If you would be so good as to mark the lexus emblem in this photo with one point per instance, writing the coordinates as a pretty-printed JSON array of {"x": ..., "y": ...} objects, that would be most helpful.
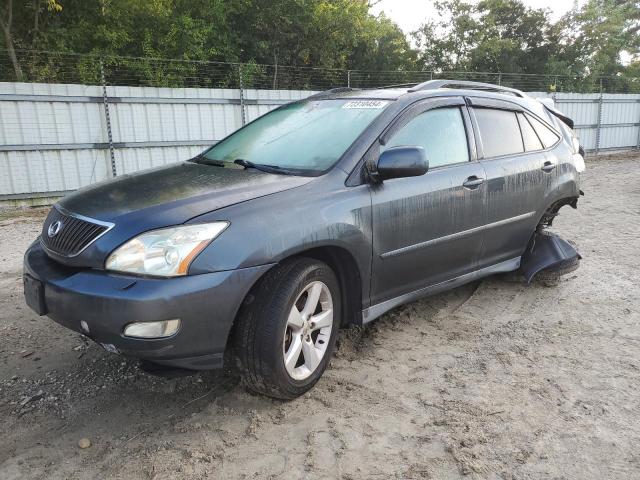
[{"x": 54, "y": 228}]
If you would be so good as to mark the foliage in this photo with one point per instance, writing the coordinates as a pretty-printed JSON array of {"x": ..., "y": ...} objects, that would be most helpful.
[
  {"x": 325, "y": 33},
  {"x": 270, "y": 36},
  {"x": 595, "y": 38},
  {"x": 507, "y": 36}
]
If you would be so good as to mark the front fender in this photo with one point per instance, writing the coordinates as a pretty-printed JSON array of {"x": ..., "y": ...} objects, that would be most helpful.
[{"x": 275, "y": 227}]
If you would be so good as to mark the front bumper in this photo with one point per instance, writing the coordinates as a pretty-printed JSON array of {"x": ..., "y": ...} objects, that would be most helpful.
[{"x": 206, "y": 305}]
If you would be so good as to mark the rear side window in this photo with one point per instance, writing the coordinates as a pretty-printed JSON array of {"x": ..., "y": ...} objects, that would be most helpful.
[
  {"x": 547, "y": 135},
  {"x": 499, "y": 131},
  {"x": 529, "y": 135},
  {"x": 440, "y": 132}
]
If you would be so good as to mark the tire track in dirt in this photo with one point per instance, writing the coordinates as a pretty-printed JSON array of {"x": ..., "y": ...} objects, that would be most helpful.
[{"x": 492, "y": 380}]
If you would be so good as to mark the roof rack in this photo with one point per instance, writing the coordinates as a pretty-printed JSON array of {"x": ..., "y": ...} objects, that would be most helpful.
[
  {"x": 331, "y": 91},
  {"x": 489, "y": 87},
  {"x": 397, "y": 85}
]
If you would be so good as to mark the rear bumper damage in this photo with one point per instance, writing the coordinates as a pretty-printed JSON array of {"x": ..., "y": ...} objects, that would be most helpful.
[{"x": 546, "y": 251}]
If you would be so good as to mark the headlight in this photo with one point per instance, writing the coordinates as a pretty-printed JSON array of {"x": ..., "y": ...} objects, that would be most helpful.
[{"x": 167, "y": 252}]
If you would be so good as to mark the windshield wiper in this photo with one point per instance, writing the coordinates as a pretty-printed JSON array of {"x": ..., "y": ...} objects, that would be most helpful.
[
  {"x": 263, "y": 167},
  {"x": 200, "y": 158}
]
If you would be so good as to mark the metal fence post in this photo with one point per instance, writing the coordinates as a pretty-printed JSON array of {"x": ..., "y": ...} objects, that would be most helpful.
[
  {"x": 638, "y": 141},
  {"x": 599, "y": 126},
  {"x": 349, "y": 78},
  {"x": 243, "y": 116},
  {"x": 107, "y": 117},
  {"x": 499, "y": 79}
]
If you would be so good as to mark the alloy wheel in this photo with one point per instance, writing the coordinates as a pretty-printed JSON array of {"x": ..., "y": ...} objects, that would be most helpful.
[{"x": 308, "y": 330}]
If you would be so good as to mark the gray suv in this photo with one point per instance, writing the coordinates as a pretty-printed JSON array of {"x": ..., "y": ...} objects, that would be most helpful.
[{"x": 322, "y": 213}]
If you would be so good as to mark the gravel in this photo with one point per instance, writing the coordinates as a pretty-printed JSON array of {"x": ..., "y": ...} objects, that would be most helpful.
[{"x": 495, "y": 379}]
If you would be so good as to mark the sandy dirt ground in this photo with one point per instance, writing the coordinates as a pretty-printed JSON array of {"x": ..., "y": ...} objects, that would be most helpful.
[{"x": 495, "y": 380}]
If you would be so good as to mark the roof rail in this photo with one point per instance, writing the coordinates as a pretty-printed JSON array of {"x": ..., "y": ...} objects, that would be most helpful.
[
  {"x": 330, "y": 92},
  {"x": 397, "y": 85},
  {"x": 433, "y": 84}
]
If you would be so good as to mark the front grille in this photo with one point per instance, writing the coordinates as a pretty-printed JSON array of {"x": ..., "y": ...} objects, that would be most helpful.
[{"x": 73, "y": 235}]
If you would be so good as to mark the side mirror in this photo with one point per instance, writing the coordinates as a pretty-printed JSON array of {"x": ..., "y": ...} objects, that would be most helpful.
[{"x": 400, "y": 162}]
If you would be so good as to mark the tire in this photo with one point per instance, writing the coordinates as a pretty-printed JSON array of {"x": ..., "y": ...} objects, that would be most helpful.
[
  {"x": 550, "y": 277},
  {"x": 269, "y": 331}
]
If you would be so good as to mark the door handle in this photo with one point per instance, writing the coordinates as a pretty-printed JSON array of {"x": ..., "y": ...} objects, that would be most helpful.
[
  {"x": 473, "y": 182},
  {"x": 548, "y": 167}
]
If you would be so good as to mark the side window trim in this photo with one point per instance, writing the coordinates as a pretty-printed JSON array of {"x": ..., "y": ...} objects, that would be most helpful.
[
  {"x": 415, "y": 109},
  {"x": 523, "y": 115},
  {"x": 544, "y": 124},
  {"x": 476, "y": 132},
  {"x": 500, "y": 104},
  {"x": 543, "y": 121},
  {"x": 476, "y": 126},
  {"x": 472, "y": 137},
  {"x": 461, "y": 114},
  {"x": 480, "y": 146},
  {"x": 474, "y": 103},
  {"x": 524, "y": 145},
  {"x": 494, "y": 103},
  {"x": 357, "y": 175}
]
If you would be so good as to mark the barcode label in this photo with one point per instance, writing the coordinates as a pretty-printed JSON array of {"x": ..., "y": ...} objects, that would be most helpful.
[{"x": 365, "y": 104}]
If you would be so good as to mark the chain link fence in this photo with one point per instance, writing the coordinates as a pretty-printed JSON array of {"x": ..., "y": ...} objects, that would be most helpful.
[
  {"x": 56, "y": 67},
  {"x": 73, "y": 120}
]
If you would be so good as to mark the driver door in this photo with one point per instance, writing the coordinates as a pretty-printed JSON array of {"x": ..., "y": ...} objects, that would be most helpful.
[{"x": 428, "y": 229}]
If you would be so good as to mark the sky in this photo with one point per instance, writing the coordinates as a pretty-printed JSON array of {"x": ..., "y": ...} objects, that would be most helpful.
[{"x": 410, "y": 14}]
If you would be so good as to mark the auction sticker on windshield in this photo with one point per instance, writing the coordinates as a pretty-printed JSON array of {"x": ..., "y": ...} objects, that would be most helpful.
[{"x": 365, "y": 104}]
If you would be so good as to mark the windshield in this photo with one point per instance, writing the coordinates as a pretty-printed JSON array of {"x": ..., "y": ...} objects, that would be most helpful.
[{"x": 306, "y": 137}]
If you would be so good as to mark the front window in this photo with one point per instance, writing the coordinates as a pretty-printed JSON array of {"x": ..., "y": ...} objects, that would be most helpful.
[
  {"x": 440, "y": 132},
  {"x": 307, "y": 137}
]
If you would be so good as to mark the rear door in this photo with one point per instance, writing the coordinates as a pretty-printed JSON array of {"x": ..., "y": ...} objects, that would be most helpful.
[
  {"x": 426, "y": 229},
  {"x": 519, "y": 174}
]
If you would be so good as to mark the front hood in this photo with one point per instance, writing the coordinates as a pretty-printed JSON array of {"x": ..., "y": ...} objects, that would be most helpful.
[
  {"x": 177, "y": 193},
  {"x": 162, "y": 197}
]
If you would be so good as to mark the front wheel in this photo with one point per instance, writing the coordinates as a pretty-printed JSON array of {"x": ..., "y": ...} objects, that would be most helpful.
[{"x": 287, "y": 328}]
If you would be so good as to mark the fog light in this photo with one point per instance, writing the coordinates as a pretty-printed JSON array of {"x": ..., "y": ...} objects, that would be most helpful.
[{"x": 162, "y": 329}]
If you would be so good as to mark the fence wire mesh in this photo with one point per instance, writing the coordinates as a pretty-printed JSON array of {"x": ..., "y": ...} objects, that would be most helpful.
[
  {"x": 56, "y": 67},
  {"x": 85, "y": 118}
]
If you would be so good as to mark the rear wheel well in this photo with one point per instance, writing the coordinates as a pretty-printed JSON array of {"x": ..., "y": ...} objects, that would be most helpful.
[{"x": 552, "y": 212}]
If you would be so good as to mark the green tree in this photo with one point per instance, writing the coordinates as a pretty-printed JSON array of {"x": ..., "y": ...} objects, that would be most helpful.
[
  {"x": 320, "y": 33},
  {"x": 596, "y": 39},
  {"x": 492, "y": 35},
  {"x": 269, "y": 36},
  {"x": 331, "y": 34},
  {"x": 21, "y": 26}
]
